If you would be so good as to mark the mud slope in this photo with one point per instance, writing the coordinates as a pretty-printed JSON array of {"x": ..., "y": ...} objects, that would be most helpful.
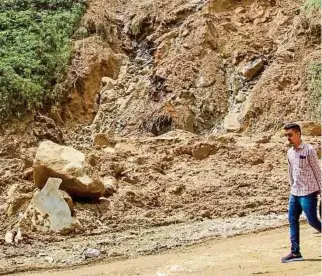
[{"x": 180, "y": 104}]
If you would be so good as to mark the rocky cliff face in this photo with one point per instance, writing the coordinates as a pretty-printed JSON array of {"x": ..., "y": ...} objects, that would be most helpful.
[{"x": 201, "y": 66}]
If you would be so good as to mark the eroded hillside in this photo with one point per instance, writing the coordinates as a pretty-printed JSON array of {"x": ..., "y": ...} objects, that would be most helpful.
[
  {"x": 189, "y": 64},
  {"x": 178, "y": 105}
]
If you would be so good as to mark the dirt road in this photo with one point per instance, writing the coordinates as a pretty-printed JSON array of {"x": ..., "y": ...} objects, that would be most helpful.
[{"x": 252, "y": 254}]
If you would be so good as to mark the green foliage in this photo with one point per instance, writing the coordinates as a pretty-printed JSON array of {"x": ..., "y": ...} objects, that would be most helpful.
[
  {"x": 314, "y": 85},
  {"x": 311, "y": 4},
  {"x": 34, "y": 52}
]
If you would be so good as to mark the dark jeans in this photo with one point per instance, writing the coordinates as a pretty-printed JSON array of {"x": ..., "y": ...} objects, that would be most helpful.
[{"x": 297, "y": 204}]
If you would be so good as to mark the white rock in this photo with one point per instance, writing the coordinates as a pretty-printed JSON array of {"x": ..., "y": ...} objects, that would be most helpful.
[
  {"x": 49, "y": 259},
  {"x": 231, "y": 122},
  {"x": 49, "y": 201},
  {"x": 9, "y": 237},
  {"x": 18, "y": 237},
  {"x": 92, "y": 253},
  {"x": 240, "y": 98}
]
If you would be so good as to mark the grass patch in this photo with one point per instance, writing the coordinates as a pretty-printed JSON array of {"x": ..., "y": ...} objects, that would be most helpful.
[
  {"x": 34, "y": 53},
  {"x": 309, "y": 5},
  {"x": 314, "y": 86}
]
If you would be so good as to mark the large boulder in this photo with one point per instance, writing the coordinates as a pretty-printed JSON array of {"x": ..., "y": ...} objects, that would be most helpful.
[
  {"x": 68, "y": 164},
  {"x": 48, "y": 211}
]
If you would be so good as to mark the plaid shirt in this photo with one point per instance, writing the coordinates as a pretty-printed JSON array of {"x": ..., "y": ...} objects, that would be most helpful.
[{"x": 304, "y": 170}]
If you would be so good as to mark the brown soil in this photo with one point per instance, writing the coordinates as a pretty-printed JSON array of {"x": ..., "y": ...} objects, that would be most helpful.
[{"x": 176, "y": 68}]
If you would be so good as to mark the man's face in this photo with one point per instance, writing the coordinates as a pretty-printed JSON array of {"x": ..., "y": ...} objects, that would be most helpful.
[{"x": 293, "y": 137}]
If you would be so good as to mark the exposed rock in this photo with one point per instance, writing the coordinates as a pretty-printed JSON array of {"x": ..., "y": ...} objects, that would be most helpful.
[
  {"x": 49, "y": 259},
  {"x": 129, "y": 178},
  {"x": 46, "y": 128},
  {"x": 118, "y": 168},
  {"x": 231, "y": 123},
  {"x": 181, "y": 150},
  {"x": 18, "y": 198},
  {"x": 168, "y": 118},
  {"x": 8, "y": 237},
  {"x": 28, "y": 174},
  {"x": 252, "y": 68},
  {"x": 108, "y": 83},
  {"x": 235, "y": 83},
  {"x": 64, "y": 162},
  {"x": 177, "y": 189},
  {"x": 185, "y": 32},
  {"x": 93, "y": 159},
  {"x": 186, "y": 120},
  {"x": 49, "y": 201},
  {"x": 201, "y": 77},
  {"x": 47, "y": 212},
  {"x": 202, "y": 150},
  {"x": 110, "y": 184},
  {"x": 68, "y": 199},
  {"x": 106, "y": 96},
  {"x": 102, "y": 139},
  {"x": 286, "y": 56},
  {"x": 240, "y": 98},
  {"x": 137, "y": 23},
  {"x": 16, "y": 203},
  {"x": 263, "y": 140},
  {"x": 18, "y": 236},
  {"x": 97, "y": 63},
  {"x": 92, "y": 253},
  {"x": 240, "y": 10},
  {"x": 238, "y": 57},
  {"x": 206, "y": 214},
  {"x": 310, "y": 128},
  {"x": 13, "y": 237}
]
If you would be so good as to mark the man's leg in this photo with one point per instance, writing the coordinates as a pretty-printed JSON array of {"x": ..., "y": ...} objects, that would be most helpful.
[
  {"x": 294, "y": 212},
  {"x": 309, "y": 205}
]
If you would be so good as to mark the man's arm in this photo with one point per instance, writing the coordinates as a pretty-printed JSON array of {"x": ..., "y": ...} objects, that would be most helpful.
[
  {"x": 315, "y": 165},
  {"x": 290, "y": 175}
]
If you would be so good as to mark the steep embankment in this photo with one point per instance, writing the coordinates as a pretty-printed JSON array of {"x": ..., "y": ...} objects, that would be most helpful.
[
  {"x": 189, "y": 64},
  {"x": 178, "y": 103}
]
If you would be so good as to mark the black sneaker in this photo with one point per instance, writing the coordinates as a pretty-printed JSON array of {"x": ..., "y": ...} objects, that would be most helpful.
[{"x": 292, "y": 258}]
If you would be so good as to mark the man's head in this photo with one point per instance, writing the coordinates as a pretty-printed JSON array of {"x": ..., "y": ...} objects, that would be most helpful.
[{"x": 293, "y": 134}]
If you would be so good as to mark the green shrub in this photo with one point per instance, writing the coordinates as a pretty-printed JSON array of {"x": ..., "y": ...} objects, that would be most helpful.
[
  {"x": 314, "y": 86},
  {"x": 34, "y": 53},
  {"x": 311, "y": 4}
]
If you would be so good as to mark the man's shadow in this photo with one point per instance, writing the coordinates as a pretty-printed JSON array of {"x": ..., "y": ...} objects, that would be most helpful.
[{"x": 312, "y": 260}]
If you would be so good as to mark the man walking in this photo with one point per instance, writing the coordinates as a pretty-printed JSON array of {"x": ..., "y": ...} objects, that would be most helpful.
[{"x": 305, "y": 177}]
